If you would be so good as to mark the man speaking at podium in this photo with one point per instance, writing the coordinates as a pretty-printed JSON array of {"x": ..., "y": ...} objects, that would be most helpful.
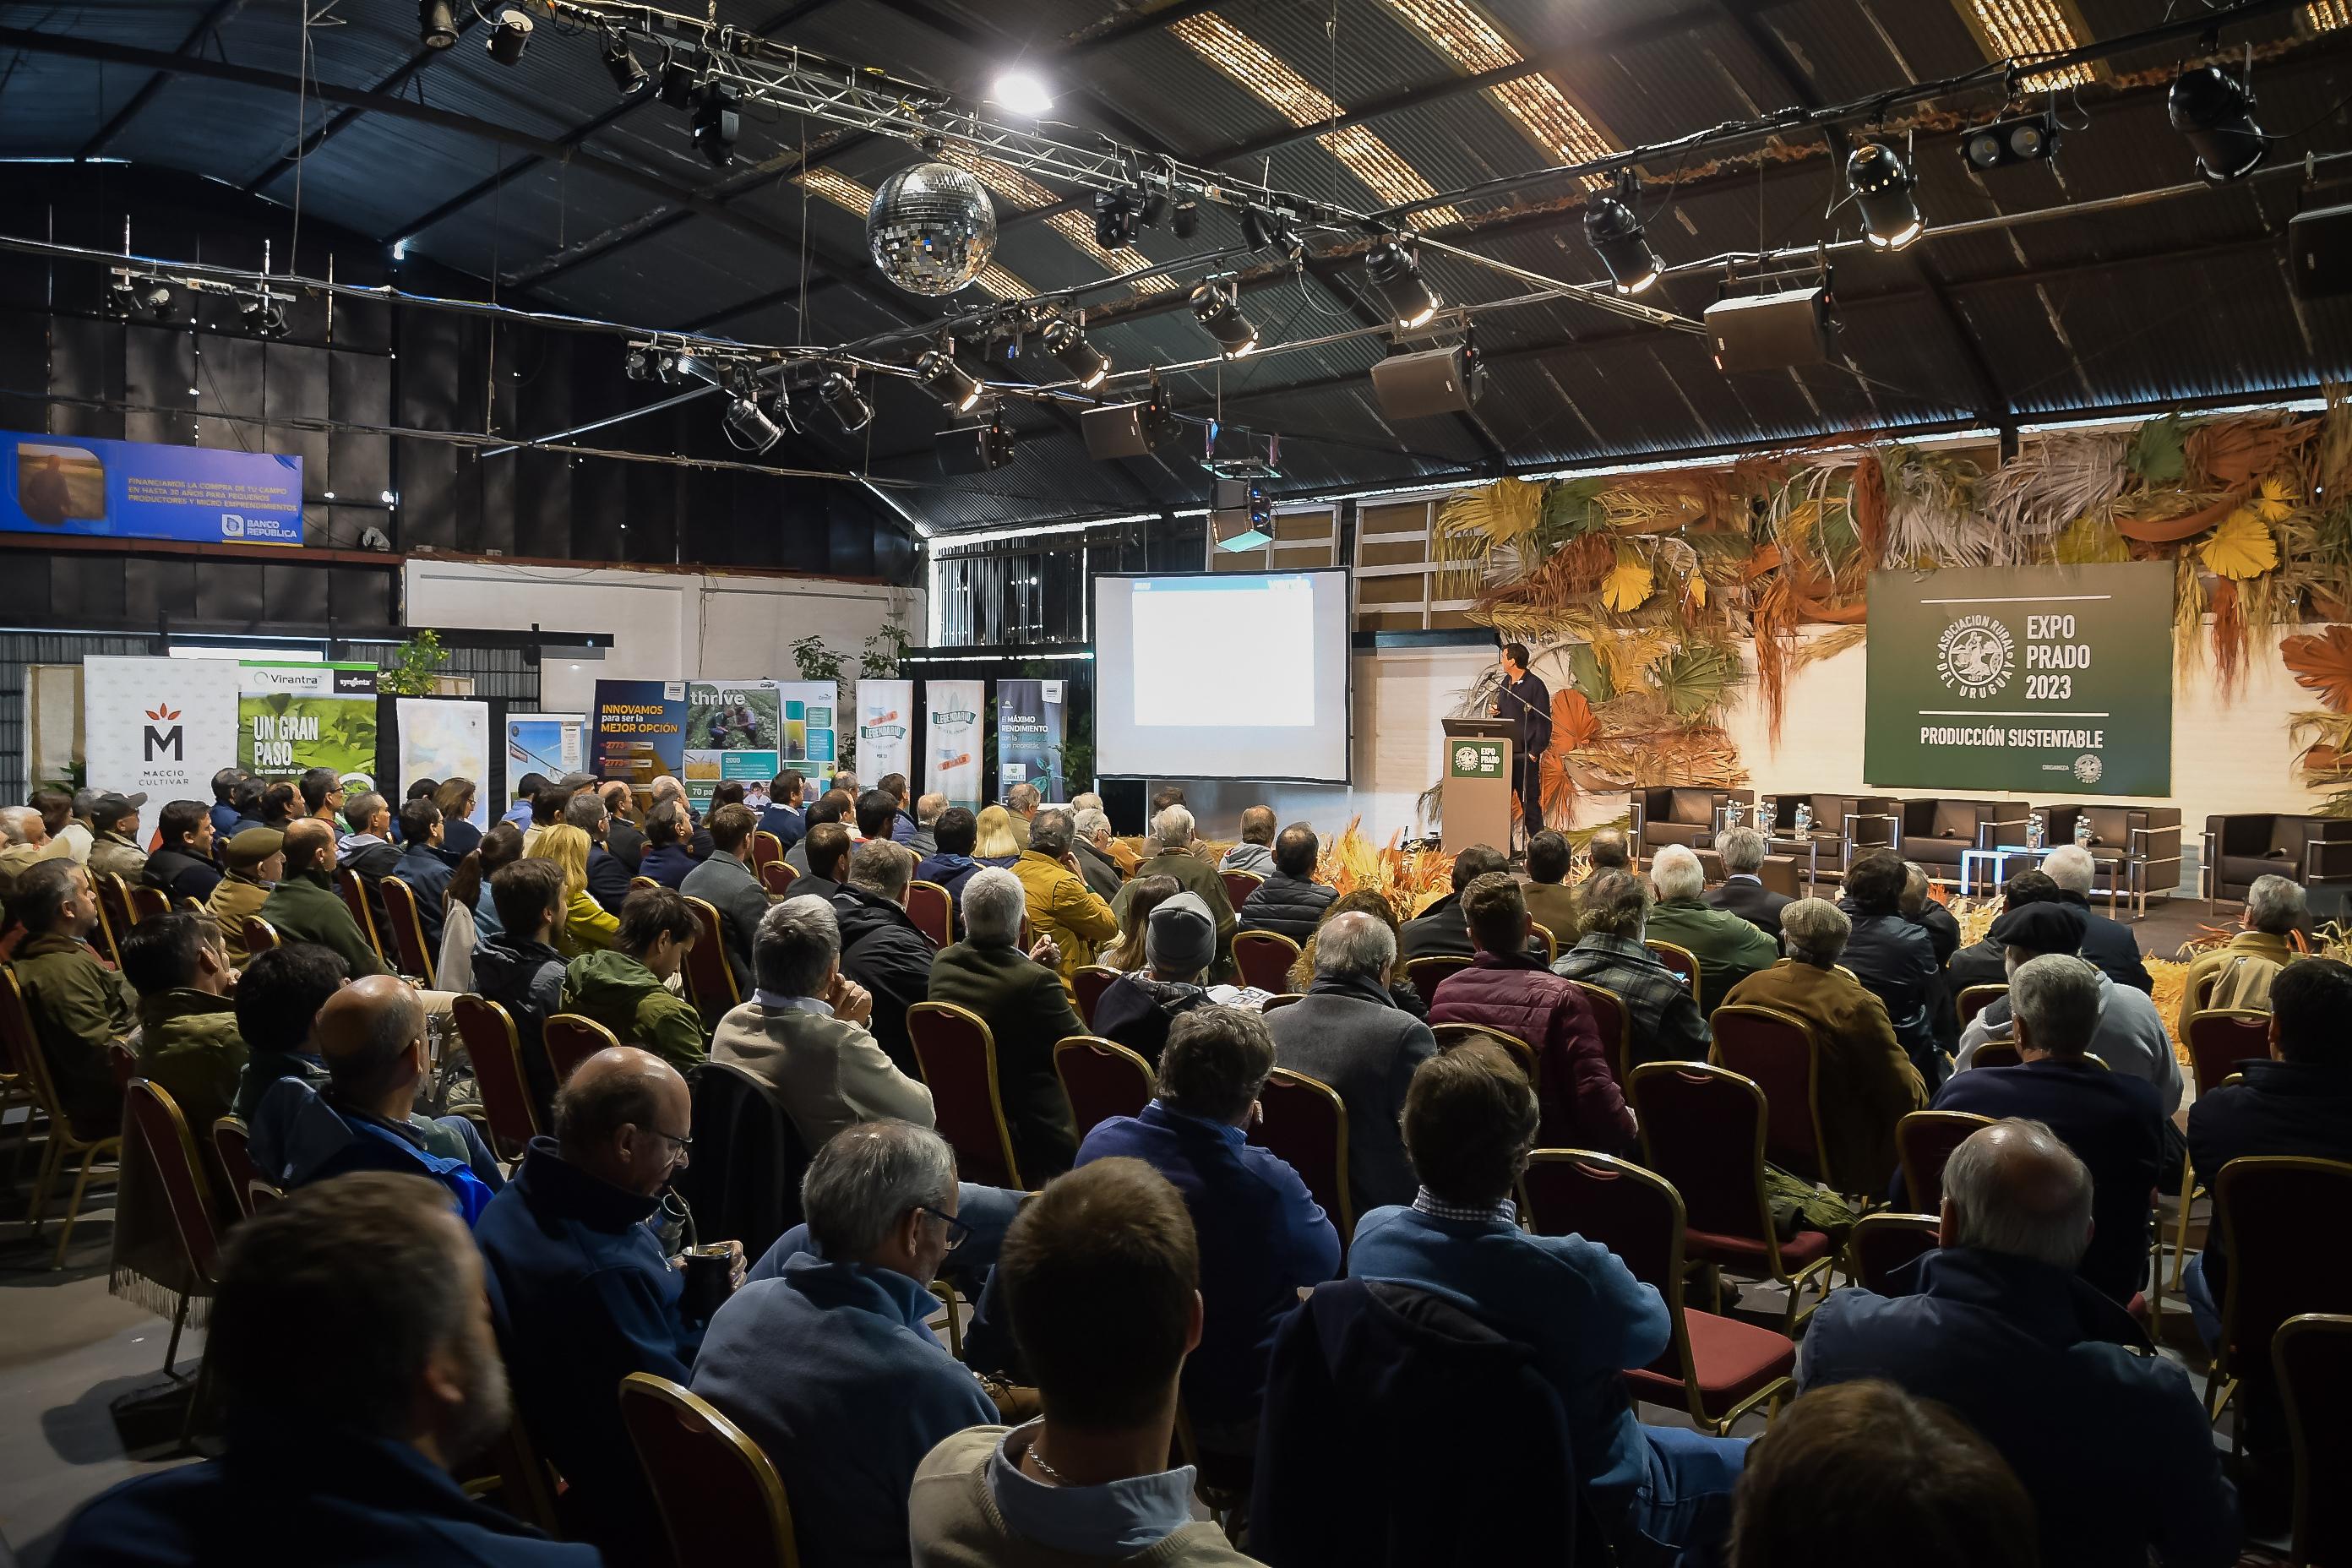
[{"x": 1526, "y": 701}]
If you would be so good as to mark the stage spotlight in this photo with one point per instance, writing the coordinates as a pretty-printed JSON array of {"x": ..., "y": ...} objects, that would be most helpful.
[
  {"x": 628, "y": 77},
  {"x": 1221, "y": 318},
  {"x": 1619, "y": 238},
  {"x": 748, "y": 426},
  {"x": 1890, "y": 217},
  {"x": 1020, "y": 93},
  {"x": 510, "y": 36},
  {"x": 715, "y": 122},
  {"x": 949, "y": 382},
  {"x": 437, "y": 24},
  {"x": 267, "y": 317},
  {"x": 1397, "y": 270},
  {"x": 678, "y": 79},
  {"x": 1067, "y": 342},
  {"x": 639, "y": 364},
  {"x": 1258, "y": 226},
  {"x": 2033, "y": 139},
  {"x": 850, "y": 409},
  {"x": 1155, "y": 208},
  {"x": 1115, "y": 215},
  {"x": 1184, "y": 220},
  {"x": 2215, "y": 113}
]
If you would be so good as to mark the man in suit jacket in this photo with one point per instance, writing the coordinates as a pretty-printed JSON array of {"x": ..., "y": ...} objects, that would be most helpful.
[
  {"x": 623, "y": 837},
  {"x": 725, "y": 882},
  {"x": 1095, "y": 863},
  {"x": 1743, "y": 891},
  {"x": 882, "y": 949},
  {"x": 2109, "y": 943},
  {"x": 1028, "y": 1012}
]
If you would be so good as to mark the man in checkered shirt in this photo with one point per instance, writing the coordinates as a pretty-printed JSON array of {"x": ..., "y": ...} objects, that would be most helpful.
[{"x": 1660, "y": 1016}]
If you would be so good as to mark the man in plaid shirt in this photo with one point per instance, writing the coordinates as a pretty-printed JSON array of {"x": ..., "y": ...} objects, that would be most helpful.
[{"x": 1661, "y": 1017}]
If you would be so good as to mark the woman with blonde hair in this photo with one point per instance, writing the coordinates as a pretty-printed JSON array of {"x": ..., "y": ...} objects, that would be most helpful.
[
  {"x": 586, "y": 926},
  {"x": 993, "y": 843},
  {"x": 459, "y": 838}
]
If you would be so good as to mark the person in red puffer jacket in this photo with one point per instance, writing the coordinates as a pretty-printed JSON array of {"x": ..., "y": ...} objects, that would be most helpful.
[{"x": 1507, "y": 989}]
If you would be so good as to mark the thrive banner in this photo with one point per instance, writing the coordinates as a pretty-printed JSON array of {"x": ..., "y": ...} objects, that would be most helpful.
[
  {"x": 734, "y": 730},
  {"x": 445, "y": 737},
  {"x": 134, "y": 489},
  {"x": 952, "y": 740},
  {"x": 295, "y": 716},
  {"x": 812, "y": 744},
  {"x": 641, "y": 731},
  {"x": 2050, "y": 680},
  {"x": 161, "y": 727},
  {"x": 885, "y": 728},
  {"x": 1029, "y": 736}
]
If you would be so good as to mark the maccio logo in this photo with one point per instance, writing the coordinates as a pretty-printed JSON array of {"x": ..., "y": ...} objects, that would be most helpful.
[{"x": 157, "y": 741}]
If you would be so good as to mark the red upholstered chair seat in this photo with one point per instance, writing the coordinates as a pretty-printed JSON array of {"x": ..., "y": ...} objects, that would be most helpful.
[
  {"x": 1807, "y": 1246},
  {"x": 1731, "y": 1360}
]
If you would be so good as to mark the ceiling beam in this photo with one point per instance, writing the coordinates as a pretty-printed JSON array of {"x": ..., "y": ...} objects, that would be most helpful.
[{"x": 221, "y": 11}]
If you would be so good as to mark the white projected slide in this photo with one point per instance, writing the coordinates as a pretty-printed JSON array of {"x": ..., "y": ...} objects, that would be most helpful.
[{"x": 1222, "y": 675}]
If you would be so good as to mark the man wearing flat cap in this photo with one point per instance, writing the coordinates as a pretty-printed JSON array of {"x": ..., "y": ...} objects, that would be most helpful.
[
  {"x": 256, "y": 859},
  {"x": 2129, "y": 1037},
  {"x": 114, "y": 836}
]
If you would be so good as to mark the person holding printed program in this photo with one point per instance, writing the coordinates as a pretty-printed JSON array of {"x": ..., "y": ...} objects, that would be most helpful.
[{"x": 1526, "y": 701}]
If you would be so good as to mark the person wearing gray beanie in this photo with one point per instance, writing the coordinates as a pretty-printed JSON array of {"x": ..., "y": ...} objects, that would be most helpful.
[{"x": 1179, "y": 942}]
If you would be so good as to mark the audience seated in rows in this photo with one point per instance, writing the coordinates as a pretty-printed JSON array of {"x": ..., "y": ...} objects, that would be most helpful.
[
  {"x": 24, "y": 842},
  {"x": 2298, "y": 1102},
  {"x": 367, "y": 849},
  {"x": 520, "y": 968},
  {"x": 783, "y": 817},
  {"x": 1470, "y": 1121},
  {"x": 1439, "y": 931},
  {"x": 2106, "y": 941},
  {"x": 904, "y": 823},
  {"x": 829, "y": 1364},
  {"x": 878, "y": 814},
  {"x": 833, "y": 806},
  {"x": 182, "y": 867},
  {"x": 1290, "y": 901},
  {"x": 2239, "y": 972},
  {"x": 1866, "y": 1082},
  {"x": 1347, "y": 1033},
  {"x": 803, "y": 1034},
  {"x": 1131, "y": 951},
  {"x": 340, "y": 1455},
  {"x": 1060, "y": 905},
  {"x": 2130, "y": 1037},
  {"x": 1862, "y": 1473},
  {"x": 585, "y": 1290},
  {"x": 1608, "y": 850},
  {"x": 279, "y": 995},
  {"x": 724, "y": 880},
  {"x": 304, "y": 907},
  {"x": 1179, "y": 942},
  {"x": 321, "y": 793},
  {"x": 1097, "y": 864},
  {"x": 77, "y": 1005},
  {"x": 1742, "y": 892},
  {"x": 1895, "y": 959},
  {"x": 667, "y": 857},
  {"x": 370, "y": 1035},
  {"x": 1985, "y": 961},
  {"x": 1728, "y": 946},
  {"x": 626, "y": 988},
  {"x": 114, "y": 838},
  {"x": 1021, "y": 997},
  {"x": 924, "y": 840},
  {"x": 1550, "y": 901},
  {"x": 1021, "y": 806},
  {"x": 1090, "y": 1478},
  {"x": 1662, "y": 1021},
  {"x": 422, "y": 867},
  {"x": 825, "y": 847},
  {"x": 1943, "y": 932},
  {"x": 254, "y": 863},
  {"x": 1171, "y": 833},
  {"x": 1261, "y": 1237},
  {"x": 1255, "y": 853},
  {"x": 608, "y": 876},
  {"x": 882, "y": 949},
  {"x": 1370, "y": 902},
  {"x": 223, "y": 810},
  {"x": 2001, "y": 1326},
  {"x": 951, "y": 865},
  {"x": 587, "y": 927},
  {"x": 2112, "y": 1120},
  {"x": 1508, "y": 988}
]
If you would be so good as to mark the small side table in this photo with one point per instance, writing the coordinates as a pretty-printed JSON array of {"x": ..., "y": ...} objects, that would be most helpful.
[{"x": 1999, "y": 856}]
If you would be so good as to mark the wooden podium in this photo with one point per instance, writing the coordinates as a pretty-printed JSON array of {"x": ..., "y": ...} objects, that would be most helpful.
[{"x": 1478, "y": 784}]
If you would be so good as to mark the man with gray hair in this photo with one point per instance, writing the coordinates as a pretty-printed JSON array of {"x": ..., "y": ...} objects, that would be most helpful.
[
  {"x": 1061, "y": 905},
  {"x": 2113, "y": 1122},
  {"x": 2113, "y": 1443},
  {"x": 1727, "y": 947},
  {"x": 1171, "y": 832},
  {"x": 1347, "y": 1033},
  {"x": 2239, "y": 972},
  {"x": 1021, "y": 804},
  {"x": 1661, "y": 1017},
  {"x": 804, "y": 1035},
  {"x": 929, "y": 808},
  {"x": 2130, "y": 1037},
  {"x": 1743, "y": 891},
  {"x": 1255, "y": 853},
  {"x": 828, "y": 1362},
  {"x": 2106, "y": 941},
  {"x": 1028, "y": 1012},
  {"x": 1867, "y": 1084},
  {"x": 608, "y": 879},
  {"x": 25, "y": 841},
  {"x": 1097, "y": 864}
]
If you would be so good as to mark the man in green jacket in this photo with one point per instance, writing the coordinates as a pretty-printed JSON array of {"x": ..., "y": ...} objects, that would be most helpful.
[
  {"x": 1172, "y": 830},
  {"x": 1728, "y": 948},
  {"x": 79, "y": 1006},
  {"x": 1021, "y": 997},
  {"x": 306, "y": 906},
  {"x": 623, "y": 986}
]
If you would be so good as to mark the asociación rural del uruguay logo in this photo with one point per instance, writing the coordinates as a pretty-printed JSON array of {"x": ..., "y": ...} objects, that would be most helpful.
[
  {"x": 1975, "y": 656},
  {"x": 1466, "y": 757},
  {"x": 2088, "y": 768}
]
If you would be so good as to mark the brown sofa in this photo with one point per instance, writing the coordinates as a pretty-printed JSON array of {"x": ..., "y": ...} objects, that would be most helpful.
[
  {"x": 2315, "y": 851},
  {"x": 1845, "y": 823},
  {"x": 2137, "y": 847},
  {"x": 1936, "y": 830},
  {"x": 1681, "y": 816}
]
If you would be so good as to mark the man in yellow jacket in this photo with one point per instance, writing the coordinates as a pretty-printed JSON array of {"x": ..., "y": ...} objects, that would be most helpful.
[{"x": 1061, "y": 906}]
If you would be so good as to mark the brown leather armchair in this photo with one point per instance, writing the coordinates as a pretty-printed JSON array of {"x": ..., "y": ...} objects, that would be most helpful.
[
  {"x": 1681, "y": 816},
  {"x": 1934, "y": 831},
  {"x": 2137, "y": 847},
  {"x": 1845, "y": 823},
  {"x": 2315, "y": 851}
]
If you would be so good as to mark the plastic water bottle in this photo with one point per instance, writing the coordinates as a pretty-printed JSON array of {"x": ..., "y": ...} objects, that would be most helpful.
[
  {"x": 1805, "y": 817},
  {"x": 2082, "y": 830},
  {"x": 2033, "y": 830}
]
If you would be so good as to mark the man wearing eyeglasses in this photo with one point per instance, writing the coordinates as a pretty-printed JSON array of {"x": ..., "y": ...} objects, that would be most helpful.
[
  {"x": 585, "y": 1291},
  {"x": 828, "y": 1364}
]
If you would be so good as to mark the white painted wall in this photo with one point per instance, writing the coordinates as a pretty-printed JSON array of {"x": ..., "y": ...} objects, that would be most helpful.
[{"x": 665, "y": 625}]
